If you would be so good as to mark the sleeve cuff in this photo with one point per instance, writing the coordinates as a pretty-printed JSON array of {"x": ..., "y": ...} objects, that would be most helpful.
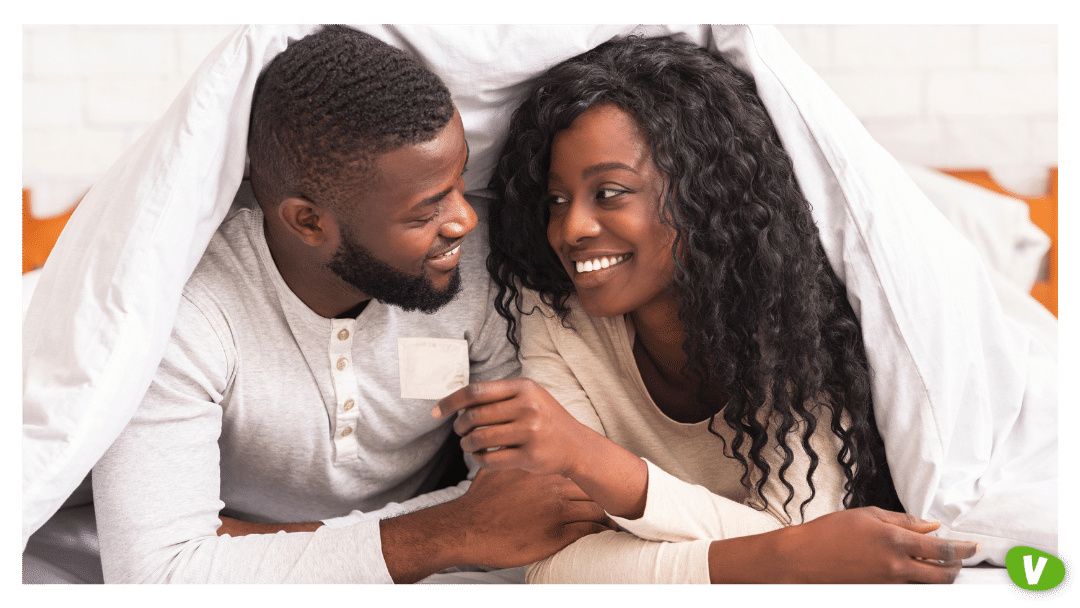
[{"x": 678, "y": 511}]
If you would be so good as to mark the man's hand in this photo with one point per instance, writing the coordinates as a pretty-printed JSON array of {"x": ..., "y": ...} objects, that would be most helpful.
[
  {"x": 506, "y": 519},
  {"x": 516, "y": 518},
  {"x": 867, "y": 545},
  {"x": 236, "y": 527}
]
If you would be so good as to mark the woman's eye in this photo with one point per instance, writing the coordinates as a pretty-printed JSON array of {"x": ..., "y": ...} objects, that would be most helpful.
[
  {"x": 608, "y": 193},
  {"x": 553, "y": 200}
]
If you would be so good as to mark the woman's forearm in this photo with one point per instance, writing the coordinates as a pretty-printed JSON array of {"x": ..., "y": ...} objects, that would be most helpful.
[{"x": 611, "y": 475}]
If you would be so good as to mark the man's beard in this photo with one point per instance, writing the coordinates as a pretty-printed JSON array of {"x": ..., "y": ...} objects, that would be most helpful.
[{"x": 357, "y": 266}]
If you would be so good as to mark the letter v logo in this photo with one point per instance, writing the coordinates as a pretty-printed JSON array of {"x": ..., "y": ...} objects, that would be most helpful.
[
  {"x": 1033, "y": 574},
  {"x": 1034, "y": 570}
]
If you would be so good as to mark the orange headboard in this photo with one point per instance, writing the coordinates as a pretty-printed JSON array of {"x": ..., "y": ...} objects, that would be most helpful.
[
  {"x": 39, "y": 234},
  {"x": 1043, "y": 213}
]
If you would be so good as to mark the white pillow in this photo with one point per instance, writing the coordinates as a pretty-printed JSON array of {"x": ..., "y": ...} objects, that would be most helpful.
[
  {"x": 998, "y": 226},
  {"x": 951, "y": 372}
]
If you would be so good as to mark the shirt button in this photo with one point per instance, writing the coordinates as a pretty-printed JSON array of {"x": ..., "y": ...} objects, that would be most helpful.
[
  {"x": 347, "y": 431},
  {"x": 342, "y": 363},
  {"x": 348, "y": 405},
  {"x": 343, "y": 335}
]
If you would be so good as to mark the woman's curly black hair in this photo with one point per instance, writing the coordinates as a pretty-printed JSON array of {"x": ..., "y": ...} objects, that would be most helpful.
[{"x": 767, "y": 319}]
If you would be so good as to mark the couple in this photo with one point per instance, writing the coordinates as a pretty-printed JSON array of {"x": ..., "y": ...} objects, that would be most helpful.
[{"x": 690, "y": 366}]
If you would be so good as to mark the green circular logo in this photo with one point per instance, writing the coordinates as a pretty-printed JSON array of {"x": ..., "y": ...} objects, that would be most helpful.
[{"x": 1034, "y": 570}]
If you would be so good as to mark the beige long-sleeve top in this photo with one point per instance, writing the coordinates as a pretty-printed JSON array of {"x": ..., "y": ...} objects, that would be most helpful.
[{"x": 694, "y": 491}]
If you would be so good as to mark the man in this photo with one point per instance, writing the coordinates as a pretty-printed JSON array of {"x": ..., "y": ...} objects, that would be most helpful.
[{"x": 295, "y": 393}]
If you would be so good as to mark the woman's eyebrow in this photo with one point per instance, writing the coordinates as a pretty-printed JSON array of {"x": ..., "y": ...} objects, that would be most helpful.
[{"x": 601, "y": 167}]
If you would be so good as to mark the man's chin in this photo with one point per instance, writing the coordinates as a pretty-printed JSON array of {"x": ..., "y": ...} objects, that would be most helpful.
[{"x": 425, "y": 297}]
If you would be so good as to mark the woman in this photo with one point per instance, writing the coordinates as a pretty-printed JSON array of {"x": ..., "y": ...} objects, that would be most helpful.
[{"x": 676, "y": 300}]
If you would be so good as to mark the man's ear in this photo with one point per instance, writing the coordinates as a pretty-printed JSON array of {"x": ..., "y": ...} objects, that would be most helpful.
[{"x": 308, "y": 221}]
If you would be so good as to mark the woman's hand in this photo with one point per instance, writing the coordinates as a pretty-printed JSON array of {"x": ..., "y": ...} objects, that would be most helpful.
[
  {"x": 515, "y": 424},
  {"x": 867, "y": 545}
]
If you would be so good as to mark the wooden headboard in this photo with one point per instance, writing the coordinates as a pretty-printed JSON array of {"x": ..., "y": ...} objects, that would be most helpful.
[{"x": 1043, "y": 213}]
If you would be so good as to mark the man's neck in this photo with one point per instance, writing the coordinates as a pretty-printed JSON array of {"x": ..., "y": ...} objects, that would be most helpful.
[
  {"x": 315, "y": 286},
  {"x": 353, "y": 312}
]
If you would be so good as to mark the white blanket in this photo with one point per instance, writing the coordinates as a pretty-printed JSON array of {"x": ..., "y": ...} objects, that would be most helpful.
[{"x": 966, "y": 399}]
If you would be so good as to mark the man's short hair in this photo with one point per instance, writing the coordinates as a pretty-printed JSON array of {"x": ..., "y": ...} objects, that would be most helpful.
[{"x": 326, "y": 105}]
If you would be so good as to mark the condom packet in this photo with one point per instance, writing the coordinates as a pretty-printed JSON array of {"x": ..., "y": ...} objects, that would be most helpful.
[{"x": 432, "y": 368}]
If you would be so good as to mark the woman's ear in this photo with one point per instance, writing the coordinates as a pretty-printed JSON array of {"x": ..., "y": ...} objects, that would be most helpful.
[{"x": 309, "y": 222}]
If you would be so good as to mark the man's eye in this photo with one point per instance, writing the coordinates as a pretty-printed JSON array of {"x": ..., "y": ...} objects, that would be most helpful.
[{"x": 430, "y": 218}]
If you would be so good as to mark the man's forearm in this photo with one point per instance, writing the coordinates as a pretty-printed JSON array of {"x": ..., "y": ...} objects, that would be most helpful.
[
  {"x": 506, "y": 519},
  {"x": 236, "y": 527},
  {"x": 419, "y": 544}
]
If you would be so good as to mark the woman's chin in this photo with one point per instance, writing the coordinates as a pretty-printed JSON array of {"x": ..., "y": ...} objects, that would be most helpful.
[{"x": 599, "y": 306}]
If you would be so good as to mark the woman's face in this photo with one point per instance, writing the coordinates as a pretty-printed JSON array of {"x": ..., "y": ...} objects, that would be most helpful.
[{"x": 604, "y": 197}]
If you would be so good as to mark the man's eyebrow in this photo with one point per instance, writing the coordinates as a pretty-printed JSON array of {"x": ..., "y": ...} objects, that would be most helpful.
[
  {"x": 431, "y": 200},
  {"x": 435, "y": 198},
  {"x": 601, "y": 167}
]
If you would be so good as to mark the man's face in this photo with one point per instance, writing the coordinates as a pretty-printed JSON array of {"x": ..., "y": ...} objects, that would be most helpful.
[{"x": 400, "y": 241}]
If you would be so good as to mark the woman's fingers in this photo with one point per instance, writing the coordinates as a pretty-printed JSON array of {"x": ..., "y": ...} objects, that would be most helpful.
[
  {"x": 940, "y": 549},
  {"x": 933, "y": 572},
  {"x": 489, "y": 437},
  {"x": 918, "y": 544},
  {"x": 490, "y": 414},
  {"x": 903, "y": 520},
  {"x": 513, "y": 424},
  {"x": 931, "y": 559},
  {"x": 477, "y": 393}
]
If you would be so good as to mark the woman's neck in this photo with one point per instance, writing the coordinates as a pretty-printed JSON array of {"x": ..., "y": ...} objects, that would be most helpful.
[
  {"x": 660, "y": 333},
  {"x": 661, "y": 361}
]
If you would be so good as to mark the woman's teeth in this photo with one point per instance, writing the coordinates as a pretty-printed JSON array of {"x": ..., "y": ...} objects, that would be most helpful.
[
  {"x": 447, "y": 254},
  {"x": 598, "y": 263}
]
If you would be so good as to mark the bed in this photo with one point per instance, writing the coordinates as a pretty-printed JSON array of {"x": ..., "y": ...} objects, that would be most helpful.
[{"x": 867, "y": 204}]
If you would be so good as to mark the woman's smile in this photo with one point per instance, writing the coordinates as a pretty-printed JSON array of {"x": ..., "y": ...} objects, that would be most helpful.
[
  {"x": 594, "y": 272},
  {"x": 594, "y": 264}
]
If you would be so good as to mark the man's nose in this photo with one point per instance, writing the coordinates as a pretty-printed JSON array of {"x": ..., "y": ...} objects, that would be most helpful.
[{"x": 461, "y": 219}]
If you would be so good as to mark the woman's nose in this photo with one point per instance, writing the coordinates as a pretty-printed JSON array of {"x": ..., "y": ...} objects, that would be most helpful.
[{"x": 579, "y": 223}]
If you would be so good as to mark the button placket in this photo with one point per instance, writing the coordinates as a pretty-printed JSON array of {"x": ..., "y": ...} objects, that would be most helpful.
[{"x": 346, "y": 392}]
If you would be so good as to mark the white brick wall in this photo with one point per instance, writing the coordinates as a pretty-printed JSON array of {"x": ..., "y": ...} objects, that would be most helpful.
[
  {"x": 953, "y": 96},
  {"x": 90, "y": 91},
  {"x": 956, "y": 96}
]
